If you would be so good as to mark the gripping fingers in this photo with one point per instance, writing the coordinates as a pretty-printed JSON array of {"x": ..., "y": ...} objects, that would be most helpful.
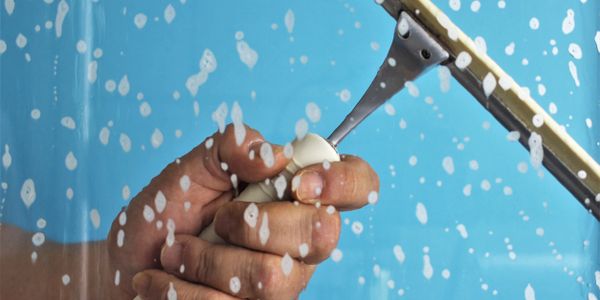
[
  {"x": 239, "y": 272},
  {"x": 155, "y": 285}
]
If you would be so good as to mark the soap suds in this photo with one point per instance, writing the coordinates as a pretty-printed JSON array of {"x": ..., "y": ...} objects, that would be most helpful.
[
  {"x": 28, "y": 193},
  {"x": 421, "y": 213},
  {"x": 568, "y": 24},
  {"x": 169, "y": 14},
  {"x": 61, "y": 12},
  {"x": 399, "y": 253}
]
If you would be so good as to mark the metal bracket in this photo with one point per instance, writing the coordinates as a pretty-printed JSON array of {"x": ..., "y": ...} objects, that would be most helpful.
[{"x": 412, "y": 53}]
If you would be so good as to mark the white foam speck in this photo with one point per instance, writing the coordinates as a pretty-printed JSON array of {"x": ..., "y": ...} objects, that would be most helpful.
[
  {"x": 169, "y": 14},
  {"x": 467, "y": 190},
  {"x": 427, "y": 267},
  {"x": 313, "y": 112},
  {"x": 510, "y": 49},
  {"x": 110, "y": 85},
  {"x": 68, "y": 122},
  {"x": 38, "y": 239},
  {"x": 591, "y": 296},
  {"x": 3, "y": 47},
  {"x": 454, "y": 5},
  {"x": 66, "y": 279},
  {"x": 81, "y": 46},
  {"x": 357, "y": 227},
  {"x": 288, "y": 150},
  {"x": 157, "y": 138},
  {"x": 145, "y": 109},
  {"x": 247, "y": 55},
  {"x": 184, "y": 183},
  {"x": 123, "y": 218},
  {"x": 171, "y": 293},
  {"x": 208, "y": 64},
  {"x": 529, "y": 292},
  {"x": 303, "y": 250},
  {"x": 266, "y": 154},
  {"x": 124, "y": 86},
  {"x": 390, "y": 110},
  {"x": 463, "y": 60},
  {"x": 597, "y": 277},
  {"x": 485, "y": 185},
  {"x": 536, "y": 149},
  {"x": 403, "y": 27},
  {"x": 251, "y": 215},
  {"x": 61, "y": 12},
  {"x": 446, "y": 273},
  {"x": 444, "y": 76},
  {"x": 489, "y": 84},
  {"x": 6, "y": 157},
  {"x": 301, "y": 129},
  {"x": 9, "y": 5},
  {"x": 280, "y": 185},
  {"x": 287, "y": 264},
  {"x": 71, "y": 161},
  {"x": 534, "y": 23},
  {"x": 219, "y": 116},
  {"x": 336, "y": 255},
  {"x": 573, "y": 71},
  {"x": 148, "y": 213},
  {"x": 160, "y": 202},
  {"x": 480, "y": 44},
  {"x": 552, "y": 108},
  {"x": 125, "y": 142},
  {"x": 372, "y": 197},
  {"x": 421, "y": 213},
  {"x": 120, "y": 238},
  {"x": 462, "y": 230},
  {"x": 475, "y": 6},
  {"x": 596, "y": 38},
  {"x": 263, "y": 231},
  {"x": 448, "y": 165},
  {"x": 575, "y": 51},
  {"x": 70, "y": 193},
  {"x": 588, "y": 123},
  {"x": 345, "y": 95},
  {"x": 92, "y": 71},
  {"x": 117, "y": 278},
  {"x": 399, "y": 253},
  {"x": 448, "y": 25},
  {"x": 539, "y": 231},
  {"x": 413, "y": 90},
  {"x": 537, "y": 120},
  {"x": 28, "y": 192},
  {"x": 238, "y": 123},
  {"x": 140, "y": 20},
  {"x": 95, "y": 218},
  {"x": 235, "y": 285},
  {"x": 568, "y": 24},
  {"x": 21, "y": 41},
  {"x": 289, "y": 20}
]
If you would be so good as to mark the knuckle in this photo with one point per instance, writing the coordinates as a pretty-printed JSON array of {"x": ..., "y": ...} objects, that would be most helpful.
[
  {"x": 229, "y": 223},
  {"x": 268, "y": 276}
]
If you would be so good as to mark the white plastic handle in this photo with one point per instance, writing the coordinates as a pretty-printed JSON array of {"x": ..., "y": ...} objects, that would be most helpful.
[{"x": 312, "y": 149}]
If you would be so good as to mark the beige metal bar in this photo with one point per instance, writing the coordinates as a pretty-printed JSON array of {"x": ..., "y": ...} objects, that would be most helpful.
[{"x": 563, "y": 156}]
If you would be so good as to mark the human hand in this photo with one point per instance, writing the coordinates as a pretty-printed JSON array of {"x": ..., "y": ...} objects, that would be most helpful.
[{"x": 248, "y": 267}]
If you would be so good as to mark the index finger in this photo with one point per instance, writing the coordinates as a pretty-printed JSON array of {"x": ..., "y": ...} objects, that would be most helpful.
[{"x": 348, "y": 184}]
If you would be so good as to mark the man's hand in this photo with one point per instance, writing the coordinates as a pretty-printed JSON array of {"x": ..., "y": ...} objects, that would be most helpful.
[{"x": 270, "y": 256}]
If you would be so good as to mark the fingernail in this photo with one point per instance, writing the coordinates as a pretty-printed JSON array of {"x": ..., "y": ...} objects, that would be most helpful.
[
  {"x": 140, "y": 283},
  {"x": 170, "y": 256},
  {"x": 310, "y": 187}
]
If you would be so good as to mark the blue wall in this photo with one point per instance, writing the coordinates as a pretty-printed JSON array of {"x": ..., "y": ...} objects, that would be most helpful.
[{"x": 334, "y": 45}]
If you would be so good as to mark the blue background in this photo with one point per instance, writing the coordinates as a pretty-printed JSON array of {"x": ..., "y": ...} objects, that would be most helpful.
[{"x": 336, "y": 37}]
